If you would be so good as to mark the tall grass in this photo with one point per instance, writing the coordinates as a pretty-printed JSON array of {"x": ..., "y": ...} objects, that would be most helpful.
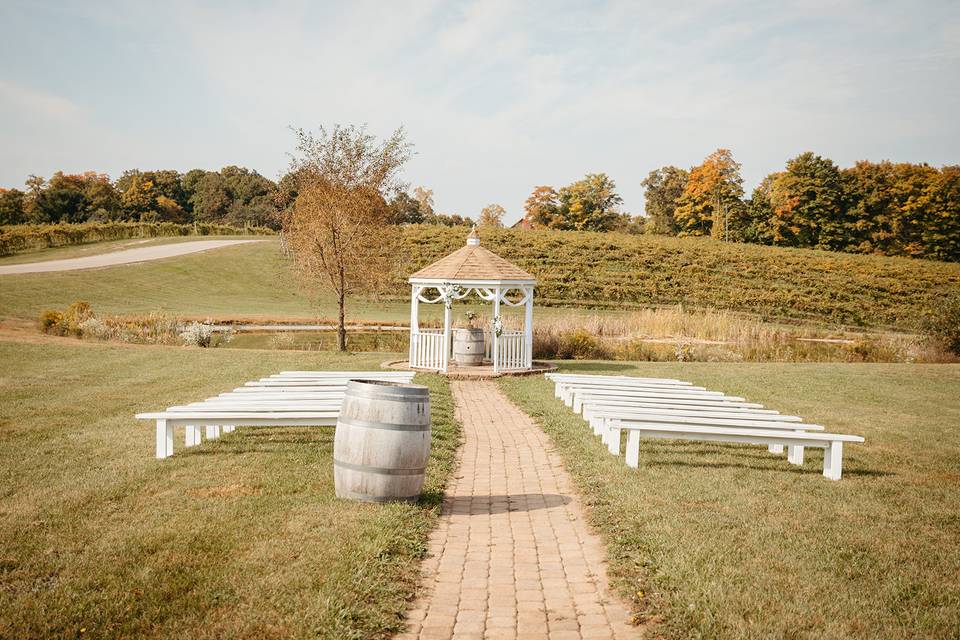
[{"x": 675, "y": 334}]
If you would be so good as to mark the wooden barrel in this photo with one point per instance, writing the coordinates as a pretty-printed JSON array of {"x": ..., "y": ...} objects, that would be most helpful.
[
  {"x": 468, "y": 347},
  {"x": 382, "y": 442}
]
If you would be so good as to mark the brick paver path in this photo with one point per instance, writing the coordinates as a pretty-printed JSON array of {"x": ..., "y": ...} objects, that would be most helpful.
[{"x": 512, "y": 556}]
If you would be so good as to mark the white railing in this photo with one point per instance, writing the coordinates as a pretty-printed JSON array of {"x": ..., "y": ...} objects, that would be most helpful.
[
  {"x": 426, "y": 349},
  {"x": 510, "y": 351}
]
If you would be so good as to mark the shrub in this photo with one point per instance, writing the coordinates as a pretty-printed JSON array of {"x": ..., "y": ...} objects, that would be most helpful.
[
  {"x": 943, "y": 323},
  {"x": 25, "y": 237},
  {"x": 51, "y": 321},
  {"x": 75, "y": 315},
  {"x": 203, "y": 334}
]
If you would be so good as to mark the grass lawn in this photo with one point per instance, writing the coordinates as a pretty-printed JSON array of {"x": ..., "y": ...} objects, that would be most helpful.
[
  {"x": 240, "y": 537},
  {"x": 245, "y": 281},
  {"x": 724, "y": 541}
]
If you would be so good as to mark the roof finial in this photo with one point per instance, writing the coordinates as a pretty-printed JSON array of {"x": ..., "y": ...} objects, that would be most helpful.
[{"x": 474, "y": 238}]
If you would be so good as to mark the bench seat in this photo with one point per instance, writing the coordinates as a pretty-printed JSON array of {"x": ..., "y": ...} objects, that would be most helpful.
[{"x": 832, "y": 443}]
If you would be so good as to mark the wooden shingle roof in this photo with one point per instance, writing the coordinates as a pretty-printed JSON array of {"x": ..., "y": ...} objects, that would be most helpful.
[{"x": 472, "y": 262}]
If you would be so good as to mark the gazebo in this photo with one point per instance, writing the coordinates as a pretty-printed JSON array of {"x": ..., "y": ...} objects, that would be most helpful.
[{"x": 469, "y": 269}]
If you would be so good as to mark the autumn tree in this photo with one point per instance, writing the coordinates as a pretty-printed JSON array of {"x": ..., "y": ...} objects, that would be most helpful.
[
  {"x": 491, "y": 216},
  {"x": 337, "y": 228},
  {"x": 713, "y": 194},
  {"x": 424, "y": 198},
  {"x": 589, "y": 204},
  {"x": 542, "y": 208},
  {"x": 663, "y": 188},
  {"x": 807, "y": 204}
]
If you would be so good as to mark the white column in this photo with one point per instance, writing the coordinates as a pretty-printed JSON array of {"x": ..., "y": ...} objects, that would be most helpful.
[
  {"x": 414, "y": 310},
  {"x": 446, "y": 335},
  {"x": 497, "y": 293},
  {"x": 528, "y": 331}
]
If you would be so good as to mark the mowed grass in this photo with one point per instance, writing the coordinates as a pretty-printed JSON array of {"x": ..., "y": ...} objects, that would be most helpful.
[
  {"x": 240, "y": 537},
  {"x": 725, "y": 541},
  {"x": 246, "y": 281}
]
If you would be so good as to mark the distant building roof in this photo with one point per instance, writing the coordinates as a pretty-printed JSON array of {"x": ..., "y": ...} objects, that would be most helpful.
[{"x": 472, "y": 262}]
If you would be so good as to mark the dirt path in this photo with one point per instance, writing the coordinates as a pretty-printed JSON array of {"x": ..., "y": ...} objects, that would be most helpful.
[
  {"x": 512, "y": 556},
  {"x": 127, "y": 256}
]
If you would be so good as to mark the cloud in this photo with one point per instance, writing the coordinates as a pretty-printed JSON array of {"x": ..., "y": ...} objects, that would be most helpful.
[
  {"x": 501, "y": 96},
  {"x": 38, "y": 103}
]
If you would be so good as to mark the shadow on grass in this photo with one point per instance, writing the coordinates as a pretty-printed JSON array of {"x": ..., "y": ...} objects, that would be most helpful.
[
  {"x": 785, "y": 468},
  {"x": 575, "y": 365}
]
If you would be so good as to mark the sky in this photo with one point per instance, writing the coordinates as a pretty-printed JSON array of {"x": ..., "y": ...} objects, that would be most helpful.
[{"x": 497, "y": 96}]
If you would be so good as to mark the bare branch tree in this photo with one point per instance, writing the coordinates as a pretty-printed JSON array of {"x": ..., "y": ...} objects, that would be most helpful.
[{"x": 338, "y": 227}]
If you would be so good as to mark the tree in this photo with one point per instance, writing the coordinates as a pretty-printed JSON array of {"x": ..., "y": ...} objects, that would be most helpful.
[
  {"x": 424, "y": 198},
  {"x": 404, "y": 210},
  {"x": 12, "y": 205},
  {"x": 806, "y": 202},
  {"x": 337, "y": 228},
  {"x": 491, "y": 216},
  {"x": 714, "y": 190},
  {"x": 210, "y": 200},
  {"x": 542, "y": 208},
  {"x": 663, "y": 188},
  {"x": 61, "y": 205},
  {"x": 590, "y": 204}
]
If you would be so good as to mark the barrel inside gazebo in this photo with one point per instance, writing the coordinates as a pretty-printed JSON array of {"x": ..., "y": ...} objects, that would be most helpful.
[{"x": 468, "y": 270}]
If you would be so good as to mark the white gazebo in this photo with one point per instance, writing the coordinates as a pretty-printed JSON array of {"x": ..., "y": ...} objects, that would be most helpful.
[{"x": 472, "y": 269}]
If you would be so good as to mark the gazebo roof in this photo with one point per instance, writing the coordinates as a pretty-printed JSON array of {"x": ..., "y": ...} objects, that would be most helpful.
[{"x": 472, "y": 262}]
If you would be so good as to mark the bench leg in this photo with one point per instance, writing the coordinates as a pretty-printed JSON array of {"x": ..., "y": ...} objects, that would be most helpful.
[
  {"x": 597, "y": 425},
  {"x": 775, "y": 448},
  {"x": 633, "y": 449},
  {"x": 795, "y": 454},
  {"x": 613, "y": 439},
  {"x": 227, "y": 428},
  {"x": 213, "y": 431},
  {"x": 164, "y": 439},
  {"x": 191, "y": 436},
  {"x": 833, "y": 461}
]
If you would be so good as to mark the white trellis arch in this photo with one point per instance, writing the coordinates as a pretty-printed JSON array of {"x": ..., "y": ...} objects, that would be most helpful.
[{"x": 472, "y": 269}]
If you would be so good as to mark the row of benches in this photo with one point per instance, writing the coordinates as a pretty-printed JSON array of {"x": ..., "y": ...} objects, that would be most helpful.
[
  {"x": 676, "y": 410},
  {"x": 287, "y": 399}
]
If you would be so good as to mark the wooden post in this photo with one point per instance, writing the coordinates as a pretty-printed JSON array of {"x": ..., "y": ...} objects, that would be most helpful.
[
  {"x": 528, "y": 331},
  {"x": 414, "y": 328},
  {"x": 445, "y": 360},
  {"x": 493, "y": 330}
]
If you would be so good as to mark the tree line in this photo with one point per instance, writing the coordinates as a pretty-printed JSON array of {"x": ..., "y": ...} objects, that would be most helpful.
[
  {"x": 234, "y": 196},
  {"x": 898, "y": 209},
  {"x": 888, "y": 208}
]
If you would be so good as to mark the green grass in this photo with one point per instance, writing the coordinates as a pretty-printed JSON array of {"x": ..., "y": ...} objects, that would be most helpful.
[
  {"x": 240, "y": 537},
  {"x": 724, "y": 541}
]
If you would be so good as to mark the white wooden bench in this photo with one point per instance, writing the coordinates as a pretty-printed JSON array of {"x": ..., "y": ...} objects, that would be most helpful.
[
  {"x": 832, "y": 443},
  {"x": 666, "y": 406},
  {"x": 289, "y": 403}
]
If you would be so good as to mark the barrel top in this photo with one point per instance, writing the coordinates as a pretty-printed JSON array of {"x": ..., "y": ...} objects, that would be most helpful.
[{"x": 388, "y": 390}]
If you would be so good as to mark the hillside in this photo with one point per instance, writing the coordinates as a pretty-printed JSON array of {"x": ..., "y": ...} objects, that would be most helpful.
[
  {"x": 616, "y": 271},
  {"x": 583, "y": 270}
]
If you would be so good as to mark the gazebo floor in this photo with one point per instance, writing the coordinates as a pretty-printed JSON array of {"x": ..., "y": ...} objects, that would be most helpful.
[{"x": 483, "y": 372}]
